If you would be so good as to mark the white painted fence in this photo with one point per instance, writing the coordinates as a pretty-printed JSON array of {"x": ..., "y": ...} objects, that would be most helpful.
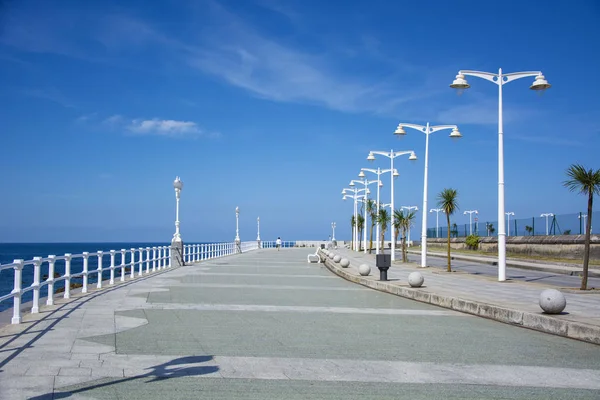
[{"x": 142, "y": 261}]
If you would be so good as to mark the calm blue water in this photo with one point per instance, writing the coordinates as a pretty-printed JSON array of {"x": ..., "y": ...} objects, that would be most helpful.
[{"x": 26, "y": 251}]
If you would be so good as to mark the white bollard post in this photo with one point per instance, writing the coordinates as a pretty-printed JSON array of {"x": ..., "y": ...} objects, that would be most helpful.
[
  {"x": 67, "y": 276},
  {"x": 84, "y": 288},
  {"x": 37, "y": 263},
  {"x": 132, "y": 266},
  {"x": 17, "y": 291},
  {"x": 141, "y": 262},
  {"x": 154, "y": 259},
  {"x": 123, "y": 251},
  {"x": 50, "y": 280},
  {"x": 112, "y": 268},
  {"x": 99, "y": 270}
]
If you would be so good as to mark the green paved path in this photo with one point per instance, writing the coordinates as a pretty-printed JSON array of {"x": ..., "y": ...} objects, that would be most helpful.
[{"x": 267, "y": 325}]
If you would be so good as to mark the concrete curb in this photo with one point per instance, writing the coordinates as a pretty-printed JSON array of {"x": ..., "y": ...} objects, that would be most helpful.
[
  {"x": 539, "y": 322},
  {"x": 555, "y": 269}
]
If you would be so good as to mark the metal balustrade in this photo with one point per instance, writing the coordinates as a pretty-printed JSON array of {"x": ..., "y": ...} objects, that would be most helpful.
[{"x": 141, "y": 260}]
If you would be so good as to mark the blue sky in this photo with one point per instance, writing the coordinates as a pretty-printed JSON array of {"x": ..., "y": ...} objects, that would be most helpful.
[{"x": 273, "y": 106}]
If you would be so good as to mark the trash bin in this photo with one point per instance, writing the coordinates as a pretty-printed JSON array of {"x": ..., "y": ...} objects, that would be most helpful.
[
  {"x": 383, "y": 262},
  {"x": 322, "y": 246}
]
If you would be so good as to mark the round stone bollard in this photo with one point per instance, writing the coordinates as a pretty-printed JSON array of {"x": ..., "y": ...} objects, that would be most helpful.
[
  {"x": 415, "y": 279},
  {"x": 345, "y": 263},
  {"x": 552, "y": 301},
  {"x": 337, "y": 258},
  {"x": 364, "y": 270}
]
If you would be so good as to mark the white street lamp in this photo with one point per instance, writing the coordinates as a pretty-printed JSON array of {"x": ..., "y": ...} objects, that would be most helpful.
[
  {"x": 508, "y": 214},
  {"x": 437, "y": 214},
  {"x": 258, "y": 227},
  {"x": 355, "y": 196},
  {"x": 366, "y": 183},
  {"x": 391, "y": 155},
  {"x": 178, "y": 185},
  {"x": 471, "y": 212},
  {"x": 377, "y": 171},
  {"x": 237, "y": 230},
  {"x": 547, "y": 215},
  {"x": 500, "y": 79},
  {"x": 409, "y": 208},
  {"x": 583, "y": 216},
  {"x": 427, "y": 130},
  {"x": 333, "y": 233}
]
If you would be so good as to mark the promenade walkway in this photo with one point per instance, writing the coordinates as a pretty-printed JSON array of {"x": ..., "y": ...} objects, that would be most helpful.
[{"x": 265, "y": 324}]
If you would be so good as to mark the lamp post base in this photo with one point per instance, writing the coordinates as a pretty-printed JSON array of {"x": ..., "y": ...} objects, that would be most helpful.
[{"x": 177, "y": 259}]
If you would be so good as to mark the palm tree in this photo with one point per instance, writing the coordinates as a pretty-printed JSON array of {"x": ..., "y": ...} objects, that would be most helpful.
[
  {"x": 406, "y": 224},
  {"x": 383, "y": 219},
  {"x": 399, "y": 223},
  {"x": 372, "y": 211},
  {"x": 361, "y": 227},
  {"x": 352, "y": 223},
  {"x": 447, "y": 201},
  {"x": 585, "y": 182}
]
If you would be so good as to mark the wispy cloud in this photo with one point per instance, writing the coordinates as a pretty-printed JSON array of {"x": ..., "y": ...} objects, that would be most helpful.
[
  {"x": 158, "y": 127},
  {"x": 50, "y": 94}
]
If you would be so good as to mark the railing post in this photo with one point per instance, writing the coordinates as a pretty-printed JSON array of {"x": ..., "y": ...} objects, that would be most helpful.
[
  {"x": 86, "y": 255},
  {"x": 99, "y": 270},
  {"x": 112, "y": 268},
  {"x": 154, "y": 259},
  {"x": 161, "y": 257},
  {"x": 37, "y": 263},
  {"x": 170, "y": 256},
  {"x": 147, "y": 260},
  {"x": 123, "y": 251},
  {"x": 132, "y": 266},
  {"x": 67, "y": 276},
  {"x": 50, "y": 280},
  {"x": 141, "y": 262},
  {"x": 17, "y": 291}
]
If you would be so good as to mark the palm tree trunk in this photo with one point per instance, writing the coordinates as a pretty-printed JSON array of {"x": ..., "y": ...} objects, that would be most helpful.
[
  {"x": 371, "y": 239},
  {"x": 448, "y": 219},
  {"x": 586, "y": 248}
]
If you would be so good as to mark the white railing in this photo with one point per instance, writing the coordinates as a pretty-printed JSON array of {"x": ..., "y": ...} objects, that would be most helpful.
[
  {"x": 140, "y": 261},
  {"x": 268, "y": 244}
]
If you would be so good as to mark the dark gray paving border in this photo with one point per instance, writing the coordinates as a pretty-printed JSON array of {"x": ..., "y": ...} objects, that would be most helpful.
[{"x": 539, "y": 322}]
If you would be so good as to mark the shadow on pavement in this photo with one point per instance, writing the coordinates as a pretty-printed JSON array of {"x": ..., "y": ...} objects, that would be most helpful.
[{"x": 183, "y": 366}]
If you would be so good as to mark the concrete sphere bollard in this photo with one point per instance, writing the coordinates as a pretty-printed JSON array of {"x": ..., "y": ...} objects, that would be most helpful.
[
  {"x": 364, "y": 269},
  {"x": 345, "y": 263},
  {"x": 415, "y": 279},
  {"x": 552, "y": 301},
  {"x": 337, "y": 258}
]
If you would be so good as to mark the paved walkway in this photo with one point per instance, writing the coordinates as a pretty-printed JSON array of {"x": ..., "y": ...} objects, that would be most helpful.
[{"x": 266, "y": 324}]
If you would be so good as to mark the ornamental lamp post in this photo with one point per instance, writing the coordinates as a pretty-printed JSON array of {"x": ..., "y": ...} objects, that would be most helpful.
[
  {"x": 547, "y": 215},
  {"x": 178, "y": 185},
  {"x": 540, "y": 83},
  {"x": 410, "y": 208},
  {"x": 258, "y": 234},
  {"x": 378, "y": 172},
  {"x": 471, "y": 212},
  {"x": 437, "y": 224},
  {"x": 333, "y": 233},
  {"x": 508, "y": 214},
  {"x": 237, "y": 230}
]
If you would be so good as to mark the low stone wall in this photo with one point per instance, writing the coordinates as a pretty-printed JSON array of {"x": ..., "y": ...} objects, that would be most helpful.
[{"x": 563, "y": 246}]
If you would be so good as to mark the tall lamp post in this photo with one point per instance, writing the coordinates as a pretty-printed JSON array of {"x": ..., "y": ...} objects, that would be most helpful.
[
  {"x": 582, "y": 217},
  {"x": 355, "y": 196},
  {"x": 391, "y": 155},
  {"x": 366, "y": 216},
  {"x": 237, "y": 230},
  {"x": 258, "y": 233},
  {"x": 471, "y": 212},
  {"x": 437, "y": 224},
  {"x": 178, "y": 185},
  {"x": 377, "y": 171},
  {"x": 409, "y": 208},
  {"x": 427, "y": 130},
  {"x": 508, "y": 214},
  {"x": 500, "y": 79},
  {"x": 333, "y": 229},
  {"x": 547, "y": 215}
]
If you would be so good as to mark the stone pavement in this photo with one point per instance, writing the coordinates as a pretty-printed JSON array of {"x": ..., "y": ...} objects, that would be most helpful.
[
  {"x": 266, "y": 324},
  {"x": 512, "y": 301}
]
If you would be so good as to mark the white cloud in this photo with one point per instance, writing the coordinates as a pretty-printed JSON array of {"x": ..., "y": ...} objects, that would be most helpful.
[{"x": 164, "y": 127}]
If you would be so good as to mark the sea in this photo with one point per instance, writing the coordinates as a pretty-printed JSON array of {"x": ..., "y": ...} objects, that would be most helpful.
[{"x": 27, "y": 251}]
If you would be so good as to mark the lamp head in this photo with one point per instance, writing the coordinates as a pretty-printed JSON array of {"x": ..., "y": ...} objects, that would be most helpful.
[
  {"x": 455, "y": 134},
  {"x": 460, "y": 83},
  {"x": 351, "y": 184},
  {"x": 400, "y": 131},
  {"x": 395, "y": 174},
  {"x": 361, "y": 174},
  {"x": 371, "y": 157},
  {"x": 177, "y": 184},
  {"x": 540, "y": 83},
  {"x": 413, "y": 157},
  {"x": 380, "y": 184}
]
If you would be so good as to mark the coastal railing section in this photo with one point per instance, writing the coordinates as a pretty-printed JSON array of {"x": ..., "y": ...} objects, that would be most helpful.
[
  {"x": 268, "y": 244},
  {"x": 124, "y": 264}
]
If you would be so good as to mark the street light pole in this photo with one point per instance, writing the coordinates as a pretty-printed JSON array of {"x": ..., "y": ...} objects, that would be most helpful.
[
  {"x": 377, "y": 171},
  {"x": 333, "y": 228},
  {"x": 437, "y": 214},
  {"x": 178, "y": 185},
  {"x": 258, "y": 227},
  {"x": 354, "y": 196},
  {"x": 365, "y": 182},
  {"x": 500, "y": 79},
  {"x": 547, "y": 215},
  {"x": 470, "y": 212},
  {"x": 237, "y": 230},
  {"x": 508, "y": 214},
  {"x": 582, "y": 216},
  {"x": 391, "y": 155},
  {"x": 427, "y": 130},
  {"x": 409, "y": 208}
]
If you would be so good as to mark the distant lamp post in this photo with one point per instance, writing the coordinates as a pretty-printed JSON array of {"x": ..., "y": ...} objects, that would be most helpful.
[
  {"x": 356, "y": 197},
  {"x": 258, "y": 233},
  {"x": 547, "y": 215},
  {"x": 365, "y": 182},
  {"x": 471, "y": 212},
  {"x": 178, "y": 185},
  {"x": 237, "y": 230},
  {"x": 500, "y": 79},
  {"x": 410, "y": 208},
  {"x": 508, "y": 214},
  {"x": 333, "y": 229},
  {"x": 377, "y": 171},
  {"x": 582, "y": 217},
  {"x": 437, "y": 222}
]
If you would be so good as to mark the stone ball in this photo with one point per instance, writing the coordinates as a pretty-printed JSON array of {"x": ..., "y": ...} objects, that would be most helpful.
[
  {"x": 415, "y": 279},
  {"x": 337, "y": 258},
  {"x": 552, "y": 301},
  {"x": 345, "y": 263},
  {"x": 364, "y": 269}
]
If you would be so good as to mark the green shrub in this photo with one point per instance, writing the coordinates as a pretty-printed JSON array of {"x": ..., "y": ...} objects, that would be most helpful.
[{"x": 472, "y": 242}]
